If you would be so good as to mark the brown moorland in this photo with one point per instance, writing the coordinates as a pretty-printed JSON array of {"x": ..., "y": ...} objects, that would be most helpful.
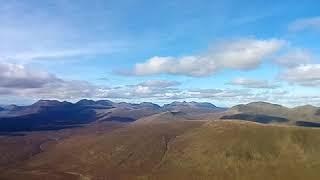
[{"x": 179, "y": 149}]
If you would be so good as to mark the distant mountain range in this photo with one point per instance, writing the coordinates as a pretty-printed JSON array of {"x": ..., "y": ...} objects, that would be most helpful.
[
  {"x": 264, "y": 112},
  {"x": 52, "y": 114}
]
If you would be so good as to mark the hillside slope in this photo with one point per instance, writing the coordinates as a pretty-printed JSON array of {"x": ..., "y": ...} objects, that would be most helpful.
[{"x": 228, "y": 150}]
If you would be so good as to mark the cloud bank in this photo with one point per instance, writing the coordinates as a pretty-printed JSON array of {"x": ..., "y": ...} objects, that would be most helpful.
[
  {"x": 243, "y": 54},
  {"x": 40, "y": 84},
  {"x": 305, "y": 75},
  {"x": 18, "y": 76},
  {"x": 253, "y": 83}
]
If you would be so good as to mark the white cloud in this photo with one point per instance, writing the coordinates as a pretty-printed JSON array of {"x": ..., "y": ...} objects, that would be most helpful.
[
  {"x": 159, "y": 83},
  {"x": 305, "y": 24},
  {"x": 20, "y": 81},
  {"x": 148, "y": 89},
  {"x": 243, "y": 54},
  {"x": 253, "y": 83},
  {"x": 18, "y": 76},
  {"x": 217, "y": 93},
  {"x": 305, "y": 75},
  {"x": 64, "y": 90},
  {"x": 294, "y": 57}
]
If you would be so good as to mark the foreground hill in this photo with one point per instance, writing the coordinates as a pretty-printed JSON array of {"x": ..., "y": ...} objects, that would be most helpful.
[
  {"x": 273, "y": 113},
  {"x": 179, "y": 149}
]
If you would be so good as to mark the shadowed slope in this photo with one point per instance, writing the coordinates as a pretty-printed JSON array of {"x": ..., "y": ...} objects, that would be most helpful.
[{"x": 256, "y": 118}]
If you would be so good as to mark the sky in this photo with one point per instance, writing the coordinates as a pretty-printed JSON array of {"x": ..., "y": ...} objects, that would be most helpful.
[{"x": 223, "y": 52}]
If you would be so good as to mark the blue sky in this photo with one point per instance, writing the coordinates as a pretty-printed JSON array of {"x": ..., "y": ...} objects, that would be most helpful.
[{"x": 224, "y": 52}]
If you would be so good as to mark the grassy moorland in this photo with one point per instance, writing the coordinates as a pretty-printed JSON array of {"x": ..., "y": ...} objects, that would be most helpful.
[
  {"x": 180, "y": 150},
  {"x": 243, "y": 151}
]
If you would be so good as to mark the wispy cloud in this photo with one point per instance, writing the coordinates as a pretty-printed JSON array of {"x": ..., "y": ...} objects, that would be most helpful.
[
  {"x": 253, "y": 83},
  {"x": 41, "y": 34},
  {"x": 251, "y": 19},
  {"x": 63, "y": 54},
  {"x": 312, "y": 23},
  {"x": 305, "y": 75},
  {"x": 294, "y": 57},
  {"x": 159, "y": 83}
]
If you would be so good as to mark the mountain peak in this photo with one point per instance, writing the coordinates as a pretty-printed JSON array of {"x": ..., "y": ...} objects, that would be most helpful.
[
  {"x": 149, "y": 104},
  {"x": 308, "y": 106},
  {"x": 86, "y": 102},
  {"x": 47, "y": 103},
  {"x": 191, "y": 104},
  {"x": 105, "y": 102},
  {"x": 258, "y": 106},
  {"x": 263, "y": 103}
]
